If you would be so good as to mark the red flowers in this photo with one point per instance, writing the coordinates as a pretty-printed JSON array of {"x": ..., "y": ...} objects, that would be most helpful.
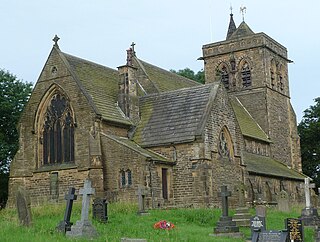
[{"x": 163, "y": 224}]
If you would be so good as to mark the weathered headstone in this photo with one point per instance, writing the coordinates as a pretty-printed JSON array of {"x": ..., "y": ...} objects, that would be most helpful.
[
  {"x": 225, "y": 225},
  {"x": 83, "y": 227},
  {"x": 142, "y": 192},
  {"x": 65, "y": 225},
  {"x": 261, "y": 210},
  {"x": 24, "y": 207},
  {"x": 295, "y": 229},
  {"x": 270, "y": 236},
  {"x": 242, "y": 215},
  {"x": 309, "y": 215},
  {"x": 283, "y": 201},
  {"x": 99, "y": 209}
]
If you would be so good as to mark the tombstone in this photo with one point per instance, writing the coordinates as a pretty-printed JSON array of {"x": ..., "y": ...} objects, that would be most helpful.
[
  {"x": 270, "y": 236},
  {"x": 242, "y": 215},
  {"x": 225, "y": 225},
  {"x": 295, "y": 229},
  {"x": 283, "y": 201},
  {"x": 99, "y": 209},
  {"x": 261, "y": 210},
  {"x": 309, "y": 215},
  {"x": 24, "y": 207},
  {"x": 83, "y": 227},
  {"x": 142, "y": 192},
  {"x": 257, "y": 224},
  {"x": 65, "y": 224}
]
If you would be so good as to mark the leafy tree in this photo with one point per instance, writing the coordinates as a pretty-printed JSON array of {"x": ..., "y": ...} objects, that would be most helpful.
[
  {"x": 309, "y": 132},
  {"x": 13, "y": 96},
  {"x": 188, "y": 73}
]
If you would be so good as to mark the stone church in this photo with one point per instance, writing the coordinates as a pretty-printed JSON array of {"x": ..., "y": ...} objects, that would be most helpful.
[{"x": 142, "y": 126}]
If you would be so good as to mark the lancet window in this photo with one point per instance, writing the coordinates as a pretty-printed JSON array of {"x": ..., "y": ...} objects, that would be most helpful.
[{"x": 246, "y": 75}]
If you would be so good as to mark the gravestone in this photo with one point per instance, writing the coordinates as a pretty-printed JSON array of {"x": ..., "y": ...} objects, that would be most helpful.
[
  {"x": 270, "y": 236},
  {"x": 142, "y": 192},
  {"x": 99, "y": 209},
  {"x": 261, "y": 210},
  {"x": 257, "y": 224},
  {"x": 225, "y": 225},
  {"x": 295, "y": 229},
  {"x": 65, "y": 225},
  {"x": 83, "y": 227},
  {"x": 24, "y": 207},
  {"x": 309, "y": 215},
  {"x": 283, "y": 201},
  {"x": 242, "y": 215}
]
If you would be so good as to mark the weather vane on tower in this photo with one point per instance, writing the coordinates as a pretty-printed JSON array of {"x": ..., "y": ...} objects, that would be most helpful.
[{"x": 243, "y": 10}]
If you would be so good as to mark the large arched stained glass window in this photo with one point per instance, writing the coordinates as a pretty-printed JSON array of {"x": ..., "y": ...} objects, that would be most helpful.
[{"x": 58, "y": 132}]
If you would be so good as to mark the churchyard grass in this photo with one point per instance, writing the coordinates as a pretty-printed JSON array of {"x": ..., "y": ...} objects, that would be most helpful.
[{"x": 190, "y": 224}]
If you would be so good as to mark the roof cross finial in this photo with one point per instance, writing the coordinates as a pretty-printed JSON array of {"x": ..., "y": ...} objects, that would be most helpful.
[
  {"x": 231, "y": 8},
  {"x": 132, "y": 47},
  {"x": 243, "y": 10},
  {"x": 55, "y": 40}
]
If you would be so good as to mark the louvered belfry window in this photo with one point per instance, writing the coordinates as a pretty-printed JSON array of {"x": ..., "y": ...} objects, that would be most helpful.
[
  {"x": 58, "y": 132},
  {"x": 246, "y": 75}
]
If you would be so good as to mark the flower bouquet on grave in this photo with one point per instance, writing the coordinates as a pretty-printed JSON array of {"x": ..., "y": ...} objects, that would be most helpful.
[{"x": 163, "y": 224}]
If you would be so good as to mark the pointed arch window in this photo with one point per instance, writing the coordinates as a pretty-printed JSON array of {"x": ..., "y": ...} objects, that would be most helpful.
[
  {"x": 225, "y": 145},
  {"x": 58, "y": 132},
  {"x": 246, "y": 75},
  {"x": 225, "y": 77}
]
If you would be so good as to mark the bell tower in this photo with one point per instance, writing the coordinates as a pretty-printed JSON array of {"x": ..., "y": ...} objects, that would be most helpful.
[{"x": 254, "y": 68}]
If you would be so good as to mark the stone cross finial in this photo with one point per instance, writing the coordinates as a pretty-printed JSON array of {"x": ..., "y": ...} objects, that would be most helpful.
[
  {"x": 86, "y": 191},
  {"x": 307, "y": 185},
  {"x": 224, "y": 194},
  {"x": 55, "y": 40},
  {"x": 243, "y": 10},
  {"x": 132, "y": 47}
]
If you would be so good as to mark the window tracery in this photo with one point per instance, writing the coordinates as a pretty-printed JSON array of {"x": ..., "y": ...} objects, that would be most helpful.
[
  {"x": 246, "y": 75},
  {"x": 57, "y": 139},
  {"x": 225, "y": 145}
]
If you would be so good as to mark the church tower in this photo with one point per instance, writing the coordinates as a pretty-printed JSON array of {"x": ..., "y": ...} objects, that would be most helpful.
[{"x": 254, "y": 68}]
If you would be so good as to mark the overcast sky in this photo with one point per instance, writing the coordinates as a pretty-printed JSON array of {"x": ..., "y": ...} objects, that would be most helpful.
[{"x": 167, "y": 33}]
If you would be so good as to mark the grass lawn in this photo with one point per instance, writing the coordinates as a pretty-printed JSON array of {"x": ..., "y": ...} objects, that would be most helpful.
[{"x": 190, "y": 224}]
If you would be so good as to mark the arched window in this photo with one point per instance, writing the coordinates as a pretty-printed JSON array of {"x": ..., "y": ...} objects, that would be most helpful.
[
  {"x": 129, "y": 177},
  {"x": 225, "y": 145},
  {"x": 57, "y": 132},
  {"x": 123, "y": 178},
  {"x": 223, "y": 73},
  {"x": 246, "y": 75},
  {"x": 279, "y": 77}
]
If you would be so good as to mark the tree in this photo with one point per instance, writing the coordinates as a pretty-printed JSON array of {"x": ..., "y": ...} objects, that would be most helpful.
[
  {"x": 188, "y": 73},
  {"x": 14, "y": 94},
  {"x": 309, "y": 132}
]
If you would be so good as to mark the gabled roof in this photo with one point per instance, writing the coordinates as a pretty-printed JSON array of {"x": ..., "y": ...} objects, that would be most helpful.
[
  {"x": 248, "y": 126},
  {"x": 164, "y": 80},
  {"x": 175, "y": 116},
  {"x": 242, "y": 31},
  {"x": 101, "y": 84},
  {"x": 267, "y": 166},
  {"x": 135, "y": 147}
]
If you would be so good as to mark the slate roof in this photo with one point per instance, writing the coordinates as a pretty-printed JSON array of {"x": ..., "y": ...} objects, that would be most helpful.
[
  {"x": 100, "y": 83},
  {"x": 175, "y": 116},
  {"x": 267, "y": 166},
  {"x": 232, "y": 27},
  {"x": 248, "y": 126},
  {"x": 242, "y": 31},
  {"x": 133, "y": 146},
  {"x": 164, "y": 80}
]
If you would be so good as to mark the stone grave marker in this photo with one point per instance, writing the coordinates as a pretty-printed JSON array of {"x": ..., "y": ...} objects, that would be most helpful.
[
  {"x": 309, "y": 215},
  {"x": 242, "y": 215},
  {"x": 261, "y": 210},
  {"x": 283, "y": 201},
  {"x": 65, "y": 224},
  {"x": 142, "y": 192},
  {"x": 99, "y": 209},
  {"x": 24, "y": 207},
  {"x": 225, "y": 225},
  {"x": 257, "y": 224},
  {"x": 270, "y": 236},
  {"x": 295, "y": 229},
  {"x": 83, "y": 227}
]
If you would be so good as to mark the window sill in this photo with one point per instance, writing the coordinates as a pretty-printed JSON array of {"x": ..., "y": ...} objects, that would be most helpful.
[{"x": 56, "y": 167}]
